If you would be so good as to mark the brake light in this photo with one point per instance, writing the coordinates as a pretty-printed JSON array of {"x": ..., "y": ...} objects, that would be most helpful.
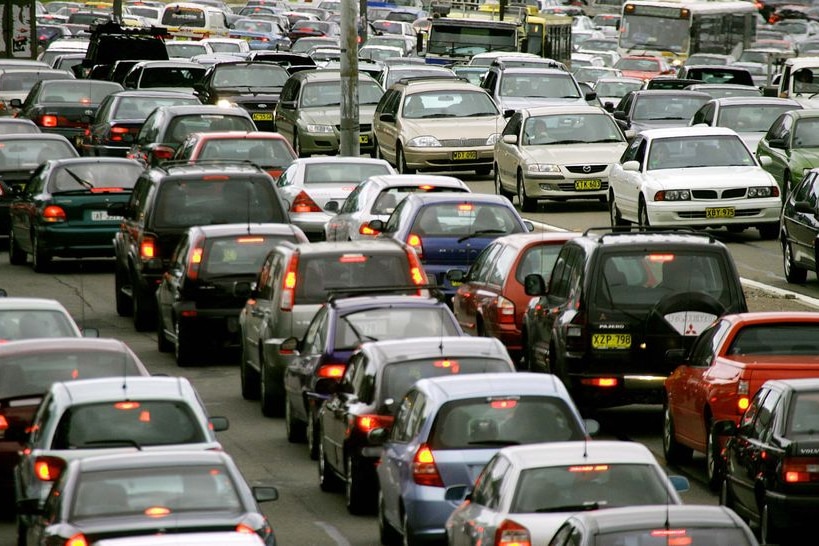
[
  {"x": 352, "y": 259},
  {"x": 48, "y": 469},
  {"x": 452, "y": 365},
  {"x": 424, "y": 470},
  {"x": 743, "y": 396},
  {"x": 147, "y": 248},
  {"x": 4, "y": 424},
  {"x": 304, "y": 203},
  {"x": 157, "y": 511},
  {"x": 605, "y": 382},
  {"x": 48, "y": 121},
  {"x": 162, "y": 153},
  {"x": 331, "y": 370},
  {"x": 77, "y": 540},
  {"x": 117, "y": 133},
  {"x": 414, "y": 241},
  {"x": 126, "y": 406},
  {"x": 245, "y": 529},
  {"x": 512, "y": 533},
  {"x": 289, "y": 284},
  {"x": 195, "y": 261},
  {"x": 53, "y": 214},
  {"x": 506, "y": 311},
  {"x": 366, "y": 423},
  {"x": 364, "y": 229},
  {"x": 800, "y": 470},
  {"x": 417, "y": 273},
  {"x": 503, "y": 404}
]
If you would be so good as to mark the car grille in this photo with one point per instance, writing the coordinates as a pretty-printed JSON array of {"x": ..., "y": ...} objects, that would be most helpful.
[
  {"x": 462, "y": 142},
  {"x": 733, "y": 193},
  {"x": 578, "y": 169},
  {"x": 266, "y": 105},
  {"x": 569, "y": 186},
  {"x": 362, "y": 128}
]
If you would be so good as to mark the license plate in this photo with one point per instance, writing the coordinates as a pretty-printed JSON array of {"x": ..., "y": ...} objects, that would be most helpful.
[
  {"x": 464, "y": 156},
  {"x": 102, "y": 216},
  {"x": 720, "y": 212},
  {"x": 611, "y": 341},
  {"x": 263, "y": 117},
  {"x": 363, "y": 139},
  {"x": 584, "y": 185}
]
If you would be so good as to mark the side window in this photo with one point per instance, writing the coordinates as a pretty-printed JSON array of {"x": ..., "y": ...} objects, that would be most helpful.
[
  {"x": 801, "y": 192},
  {"x": 560, "y": 282},
  {"x": 416, "y": 416},
  {"x": 492, "y": 482},
  {"x": 316, "y": 334},
  {"x": 699, "y": 116},
  {"x": 787, "y": 125},
  {"x": 399, "y": 430},
  {"x": 480, "y": 268},
  {"x": 276, "y": 273},
  {"x": 44, "y": 412},
  {"x": 139, "y": 197},
  {"x": 179, "y": 255},
  {"x": 263, "y": 279},
  {"x": 812, "y": 196},
  {"x": 702, "y": 352},
  {"x": 640, "y": 157},
  {"x": 747, "y": 420},
  {"x": 514, "y": 125},
  {"x": 559, "y": 269},
  {"x": 289, "y": 91},
  {"x": 501, "y": 266},
  {"x": 764, "y": 421},
  {"x": 361, "y": 382},
  {"x": 480, "y": 493},
  {"x": 36, "y": 183},
  {"x": 708, "y": 114},
  {"x": 284, "y": 179},
  {"x": 630, "y": 154},
  {"x": 351, "y": 203}
]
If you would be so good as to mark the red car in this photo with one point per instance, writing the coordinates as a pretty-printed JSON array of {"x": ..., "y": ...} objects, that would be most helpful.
[
  {"x": 490, "y": 300},
  {"x": 644, "y": 67},
  {"x": 728, "y": 363},
  {"x": 269, "y": 150}
]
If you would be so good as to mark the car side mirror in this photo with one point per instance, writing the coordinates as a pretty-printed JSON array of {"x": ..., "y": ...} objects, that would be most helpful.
[
  {"x": 510, "y": 139},
  {"x": 770, "y": 90},
  {"x": 591, "y": 96},
  {"x": 619, "y": 114},
  {"x": 455, "y": 275},
  {"x": 199, "y": 87},
  {"x": 386, "y": 117},
  {"x": 118, "y": 209},
  {"x": 534, "y": 285},
  {"x": 218, "y": 424},
  {"x": 457, "y": 493},
  {"x": 16, "y": 103},
  {"x": 376, "y": 225},
  {"x": 608, "y": 106},
  {"x": 632, "y": 166},
  {"x": 778, "y": 143},
  {"x": 508, "y": 114},
  {"x": 765, "y": 161},
  {"x": 289, "y": 346},
  {"x": 29, "y": 507},
  {"x": 529, "y": 225},
  {"x": 326, "y": 386},
  {"x": 679, "y": 483},
  {"x": 331, "y": 206},
  {"x": 804, "y": 207},
  {"x": 378, "y": 436},
  {"x": 90, "y": 332},
  {"x": 265, "y": 493},
  {"x": 724, "y": 428},
  {"x": 242, "y": 289},
  {"x": 3, "y": 293}
]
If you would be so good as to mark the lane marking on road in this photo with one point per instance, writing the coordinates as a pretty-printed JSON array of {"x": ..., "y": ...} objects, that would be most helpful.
[
  {"x": 333, "y": 533},
  {"x": 807, "y": 300}
]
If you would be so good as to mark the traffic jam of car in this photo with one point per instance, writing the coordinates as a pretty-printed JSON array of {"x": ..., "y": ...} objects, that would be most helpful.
[{"x": 447, "y": 352}]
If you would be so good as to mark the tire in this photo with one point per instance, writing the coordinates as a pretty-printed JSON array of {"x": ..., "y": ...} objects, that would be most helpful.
[
  {"x": 401, "y": 161},
  {"x": 143, "y": 314},
  {"x": 642, "y": 215},
  {"x": 355, "y": 490},
  {"x": 526, "y": 204},
  {"x": 297, "y": 146},
  {"x": 406, "y": 532},
  {"x": 387, "y": 534},
  {"x": 272, "y": 406},
  {"x": 125, "y": 306},
  {"x": 793, "y": 272},
  {"x": 499, "y": 187},
  {"x": 312, "y": 438},
  {"x": 184, "y": 348},
  {"x": 769, "y": 231},
  {"x": 615, "y": 217},
  {"x": 328, "y": 481},
  {"x": 726, "y": 498},
  {"x": 483, "y": 171},
  {"x": 674, "y": 452},
  {"x": 248, "y": 377},
  {"x": 163, "y": 344},
  {"x": 295, "y": 429},
  {"x": 714, "y": 469},
  {"x": 40, "y": 259},
  {"x": 17, "y": 256}
]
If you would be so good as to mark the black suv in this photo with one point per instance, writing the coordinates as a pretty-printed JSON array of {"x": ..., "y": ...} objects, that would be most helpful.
[
  {"x": 165, "y": 202},
  {"x": 616, "y": 302}
]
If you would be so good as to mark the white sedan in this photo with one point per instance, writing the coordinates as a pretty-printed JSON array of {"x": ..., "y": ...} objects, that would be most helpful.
[
  {"x": 526, "y": 492},
  {"x": 557, "y": 152},
  {"x": 702, "y": 177}
]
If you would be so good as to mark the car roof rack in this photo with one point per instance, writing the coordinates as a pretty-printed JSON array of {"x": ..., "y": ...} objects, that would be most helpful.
[
  {"x": 605, "y": 231},
  {"x": 170, "y": 163},
  {"x": 342, "y": 292},
  {"x": 442, "y": 77}
]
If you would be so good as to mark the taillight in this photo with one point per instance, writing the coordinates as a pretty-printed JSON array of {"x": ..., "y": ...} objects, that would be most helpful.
[
  {"x": 743, "y": 396},
  {"x": 196, "y": 256},
  {"x": 335, "y": 370},
  {"x": 48, "y": 121},
  {"x": 506, "y": 311},
  {"x": 417, "y": 273},
  {"x": 304, "y": 203},
  {"x": 576, "y": 332},
  {"x": 800, "y": 470},
  {"x": 289, "y": 284},
  {"x": 414, "y": 241},
  {"x": 117, "y": 133},
  {"x": 601, "y": 382},
  {"x": 424, "y": 471},
  {"x": 366, "y": 423},
  {"x": 4, "y": 424},
  {"x": 364, "y": 229},
  {"x": 53, "y": 214},
  {"x": 48, "y": 468},
  {"x": 245, "y": 529},
  {"x": 77, "y": 540},
  {"x": 147, "y": 248},
  {"x": 162, "y": 153},
  {"x": 512, "y": 533}
]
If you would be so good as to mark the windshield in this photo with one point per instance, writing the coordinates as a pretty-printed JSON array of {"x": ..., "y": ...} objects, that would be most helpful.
[
  {"x": 700, "y": 151},
  {"x": 250, "y": 25},
  {"x": 615, "y": 89},
  {"x": 460, "y": 219},
  {"x": 595, "y": 44},
  {"x": 645, "y": 65},
  {"x": 225, "y": 47},
  {"x": 185, "y": 50},
  {"x": 355, "y": 328},
  {"x": 467, "y": 41},
  {"x": 264, "y": 152},
  {"x": 81, "y": 91},
  {"x": 654, "y": 33},
  {"x": 750, "y": 56},
  {"x": 806, "y": 133},
  {"x": 170, "y": 76},
  {"x": 319, "y": 94},
  {"x": 535, "y": 85},
  {"x": 92, "y": 177},
  {"x": 181, "y": 126},
  {"x": 32, "y": 324},
  {"x": 448, "y": 104},
  {"x": 753, "y": 118},
  {"x": 341, "y": 173},
  {"x": 570, "y": 129},
  {"x": 183, "y": 17},
  {"x": 320, "y": 275},
  {"x": 250, "y": 75},
  {"x": 666, "y": 107},
  {"x": 27, "y": 154},
  {"x": 22, "y": 82},
  {"x": 237, "y": 255}
]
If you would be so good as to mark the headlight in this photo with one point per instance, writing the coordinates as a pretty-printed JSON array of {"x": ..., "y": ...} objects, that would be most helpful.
[
  {"x": 424, "y": 142},
  {"x": 539, "y": 168},
  {"x": 224, "y": 103},
  {"x": 319, "y": 128},
  {"x": 760, "y": 191},
  {"x": 673, "y": 195},
  {"x": 493, "y": 138}
]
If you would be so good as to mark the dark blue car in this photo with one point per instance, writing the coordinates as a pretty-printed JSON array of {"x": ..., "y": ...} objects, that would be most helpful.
[{"x": 448, "y": 231}]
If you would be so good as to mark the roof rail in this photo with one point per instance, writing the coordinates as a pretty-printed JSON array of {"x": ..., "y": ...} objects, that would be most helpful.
[
  {"x": 206, "y": 162},
  {"x": 642, "y": 230},
  {"x": 444, "y": 77},
  {"x": 113, "y": 27},
  {"x": 341, "y": 292}
]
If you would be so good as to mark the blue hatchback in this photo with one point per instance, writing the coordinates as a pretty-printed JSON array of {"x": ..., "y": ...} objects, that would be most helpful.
[
  {"x": 448, "y": 231},
  {"x": 447, "y": 428}
]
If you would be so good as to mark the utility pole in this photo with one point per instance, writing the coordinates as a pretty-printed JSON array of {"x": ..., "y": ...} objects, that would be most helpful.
[
  {"x": 349, "y": 144},
  {"x": 117, "y": 9}
]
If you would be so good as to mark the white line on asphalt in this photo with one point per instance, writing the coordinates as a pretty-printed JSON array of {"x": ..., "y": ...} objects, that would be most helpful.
[{"x": 333, "y": 533}]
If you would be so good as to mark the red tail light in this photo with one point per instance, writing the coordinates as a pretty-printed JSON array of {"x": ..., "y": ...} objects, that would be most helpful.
[
  {"x": 364, "y": 229},
  {"x": 601, "y": 382},
  {"x": 77, "y": 540},
  {"x": 417, "y": 273},
  {"x": 245, "y": 529},
  {"x": 304, "y": 203},
  {"x": 506, "y": 311},
  {"x": 800, "y": 470},
  {"x": 196, "y": 257},
  {"x": 53, "y": 214},
  {"x": 289, "y": 284},
  {"x": 4, "y": 424},
  {"x": 147, "y": 248},
  {"x": 162, "y": 153},
  {"x": 415, "y": 242},
  {"x": 48, "y": 121},
  {"x": 424, "y": 470},
  {"x": 48, "y": 469},
  {"x": 332, "y": 370},
  {"x": 117, "y": 133},
  {"x": 366, "y": 423},
  {"x": 512, "y": 533}
]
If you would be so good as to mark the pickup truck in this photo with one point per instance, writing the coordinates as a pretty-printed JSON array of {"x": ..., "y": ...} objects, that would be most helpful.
[{"x": 799, "y": 80}]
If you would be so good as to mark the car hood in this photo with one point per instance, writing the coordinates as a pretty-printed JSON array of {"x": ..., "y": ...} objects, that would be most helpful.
[
  {"x": 645, "y": 124},
  {"x": 567, "y": 154},
  {"x": 751, "y": 139},
  {"x": 448, "y": 129},
  {"x": 331, "y": 115},
  {"x": 519, "y": 103},
  {"x": 709, "y": 177}
]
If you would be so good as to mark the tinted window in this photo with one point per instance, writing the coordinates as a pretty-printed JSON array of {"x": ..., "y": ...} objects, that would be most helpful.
[
  {"x": 183, "y": 17},
  {"x": 319, "y": 275},
  {"x": 392, "y": 323},
  {"x": 804, "y": 419},
  {"x": 83, "y": 92},
  {"x": 31, "y": 324},
  {"x": 168, "y": 76},
  {"x": 237, "y": 255},
  {"x": 95, "y": 176},
  {"x": 779, "y": 339},
  {"x": 389, "y": 198},
  {"x": 27, "y": 154},
  {"x": 181, "y": 126},
  {"x": 337, "y": 173},
  {"x": 667, "y": 107},
  {"x": 265, "y": 152},
  {"x": 253, "y": 75},
  {"x": 458, "y": 219},
  {"x": 478, "y": 422},
  {"x": 751, "y": 118},
  {"x": 538, "y": 259}
]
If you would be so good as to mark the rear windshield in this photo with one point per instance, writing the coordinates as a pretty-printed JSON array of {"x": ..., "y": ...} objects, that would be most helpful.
[
  {"x": 34, "y": 373},
  {"x": 177, "y": 489},
  {"x": 181, "y": 126},
  {"x": 711, "y": 536},
  {"x": 265, "y": 152},
  {"x": 339, "y": 173},
  {"x": 201, "y": 202},
  {"x": 82, "y": 92},
  {"x": 169, "y": 76},
  {"x": 388, "y": 199},
  {"x": 147, "y": 422},
  {"x": 353, "y": 329},
  {"x": 11, "y": 127},
  {"x": 27, "y": 154},
  {"x": 797, "y": 338},
  {"x": 95, "y": 177},
  {"x": 237, "y": 255},
  {"x": 250, "y": 75},
  {"x": 19, "y": 82},
  {"x": 644, "y": 278},
  {"x": 478, "y": 422},
  {"x": 185, "y": 50},
  {"x": 140, "y": 107},
  {"x": 553, "y": 488},
  {"x": 804, "y": 414},
  {"x": 178, "y": 16},
  {"x": 319, "y": 276},
  {"x": 458, "y": 219},
  {"x": 538, "y": 259},
  {"x": 28, "y": 324}
]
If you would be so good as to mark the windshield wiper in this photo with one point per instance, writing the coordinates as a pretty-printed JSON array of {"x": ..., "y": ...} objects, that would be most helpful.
[
  {"x": 494, "y": 443},
  {"x": 79, "y": 180},
  {"x": 603, "y": 140},
  {"x": 568, "y": 142},
  {"x": 482, "y": 232},
  {"x": 114, "y": 442},
  {"x": 357, "y": 333},
  {"x": 665, "y": 118},
  {"x": 586, "y": 506},
  {"x": 439, "y": 115}
]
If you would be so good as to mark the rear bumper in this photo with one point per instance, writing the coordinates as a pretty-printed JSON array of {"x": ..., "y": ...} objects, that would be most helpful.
[
  {"x": 213, "y": 326},
  {"x": 69, "y": 241},
  {"x": 792, "y": 510},
  {"x": 427, "y": 512}
]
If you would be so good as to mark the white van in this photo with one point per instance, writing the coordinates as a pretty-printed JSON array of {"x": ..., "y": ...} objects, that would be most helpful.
[{"x": 186, "y": 20}]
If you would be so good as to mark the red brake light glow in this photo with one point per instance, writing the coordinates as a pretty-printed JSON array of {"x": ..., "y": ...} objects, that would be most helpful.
[
  {"x": 801, "y": 470},
  {"x": 289, "y": 284},
  {"x": 249, "y": 240},
  {"x": 503, "y": 404},
  {"x": 366, "y": 423},
  {"x": 304, "y": 203},
  {"x": 196, "y": 257},
  {"x": 452, "y": 365},
  {"x": 603, "y": 382},
  {"x": 162, "y": 152},
  {"x": 352, "y": 259},
  {"x": 77, "y": 540},
  {"x": 364, "y": 229},
  {"x": 157, "y": 511},
  {"x": 242, "y": 528},
  {"x": 466, "y": 207},
  {"x": 512, "y": 533},
  {"x": 48, "y": 469},
  {"x": 589, "y": 468},
  {"x": 127, "y": 405},
  {"x": 4, "y": 424},
  {"x": 215, "y": 177},
  {"x": 53, "y": 214},
  {"x": 660, "y": 258},
  {"x": 147, "y": 248},
  {"x": 48, "y": 121},
  {"x": 332, "y": 370},
  {"x": 424, "y": 470}
]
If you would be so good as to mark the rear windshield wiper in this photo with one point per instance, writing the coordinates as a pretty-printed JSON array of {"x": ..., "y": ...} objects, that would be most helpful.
[
  {"x": 81, "y": 181},
  {"x": 494, "y": 443},
  {"x": 112, "y": 443},
  {"x": 482, "y": 232},
  {"x": 356, "y": 331},
  {"x": 586, "y": 506}
]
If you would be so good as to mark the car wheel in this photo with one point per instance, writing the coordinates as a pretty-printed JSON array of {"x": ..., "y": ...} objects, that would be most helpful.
[
  {"x": 642, "y": 215},
  {"x": 312, "y": 437},
  {"x": 272, "y": 406},
  {"x": 793, "y": 272},
  {"x": 124, "y": 303},
  {"x": 526, "y": 204},
  {"x": 483, "y": 171},
  {"x": 768, "y": 231},
  {"x": 401, "y": 161},
  {"x": 674, "y": 452},
  {"x": 328, "y": 481},
  {"x": 499, "y": 190},
  {"x": 713, "y": 462},
  {"x": 17, "y": 256},
  {"x": 297, "y": 146},
  {"x": 184, "y": 346},
  {"x": 163, "y": 344},
  {"x": 388, "y": 535},
  {"x": 40, "y": 259},
  {"x": 615, "y": 218},
  {"x": 354, "y": 489},
  {"x": 248, "y": 376},
  {"x": 143, "y": 314},
  {"x": 768, "y": 532},
  {"x": 726, "y": 498},
  {"x": 406, "y": 532},
  {"x": 293, "y": 427}
]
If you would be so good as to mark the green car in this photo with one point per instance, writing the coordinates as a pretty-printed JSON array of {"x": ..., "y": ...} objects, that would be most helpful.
[{"x": 792, "y": 143}]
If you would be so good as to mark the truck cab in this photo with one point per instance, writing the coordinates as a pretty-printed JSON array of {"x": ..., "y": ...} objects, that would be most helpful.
[{"x": 799, "y": 80}]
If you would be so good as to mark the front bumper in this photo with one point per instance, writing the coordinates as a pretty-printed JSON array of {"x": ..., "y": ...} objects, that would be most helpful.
[
  {"x": 750, "y": 212},
  {"x": 567, "y": 185},
  {"x": 444, "y": 159},
  {"x": 329, "y": 143}
]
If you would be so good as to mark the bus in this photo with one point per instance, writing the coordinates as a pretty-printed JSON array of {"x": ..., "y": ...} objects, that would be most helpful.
[{"x": 676, "y": 30}]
